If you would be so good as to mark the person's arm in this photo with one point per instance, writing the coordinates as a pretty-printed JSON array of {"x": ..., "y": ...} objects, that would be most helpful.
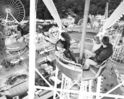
[
  {"x": 98, "y": 50},
  {"x": 89, "y": 54},
  {"x": 73, "y": 57},
  {"x": 70, "y": 55}
]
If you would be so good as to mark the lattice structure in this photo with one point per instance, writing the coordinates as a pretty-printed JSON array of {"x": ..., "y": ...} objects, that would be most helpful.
[{"x": 12, "y": 10}]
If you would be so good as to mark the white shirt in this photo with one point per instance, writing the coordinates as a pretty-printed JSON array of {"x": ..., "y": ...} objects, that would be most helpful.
[{"x": 95, "y": 47}]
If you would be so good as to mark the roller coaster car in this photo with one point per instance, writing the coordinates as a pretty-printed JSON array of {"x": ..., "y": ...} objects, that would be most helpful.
[{"x": 75, "y": 72}]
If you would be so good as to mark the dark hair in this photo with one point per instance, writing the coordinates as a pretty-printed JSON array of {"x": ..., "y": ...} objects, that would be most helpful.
[
  {"x": 59, "y": 41},
  {"x": 19, "y": 28},
  {"x": 67, "y": 40},
  {"x": 66, "y": 36},
  {"x": 105, "y": 40},
  {"x": 66, "y": 44}
]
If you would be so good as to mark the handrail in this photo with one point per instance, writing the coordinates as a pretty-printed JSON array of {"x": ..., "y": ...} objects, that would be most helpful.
[
  {"x": 100, "y": 67},
  {"x": 47, "y": 50}
]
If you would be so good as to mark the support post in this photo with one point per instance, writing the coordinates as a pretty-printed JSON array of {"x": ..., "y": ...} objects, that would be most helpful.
[
  {"x": 84, "y": 25},
  {"x": 106, "y": 10},
  {"x": 98, "y": 89},
  {"x": 32, "y": 48}
]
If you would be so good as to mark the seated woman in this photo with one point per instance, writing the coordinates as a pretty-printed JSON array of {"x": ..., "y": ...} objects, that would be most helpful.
[
  {"x": 100, "y": 55},
  {"x": 63, "y": 47}
]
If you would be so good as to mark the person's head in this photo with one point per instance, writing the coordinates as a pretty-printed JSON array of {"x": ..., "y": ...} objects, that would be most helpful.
[
  {"x": 59, "y": 45},
  {"x": 105, "y": 41},
  {"x": 65, "y": 37}
]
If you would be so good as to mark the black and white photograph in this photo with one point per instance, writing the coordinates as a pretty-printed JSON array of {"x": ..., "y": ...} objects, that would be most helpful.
[{"x": 61, "y": 49}]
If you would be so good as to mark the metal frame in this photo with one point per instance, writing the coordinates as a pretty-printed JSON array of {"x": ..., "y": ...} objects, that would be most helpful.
[
  {"x": 9, "y": 13},
  {"x": 83, "y": 92}
]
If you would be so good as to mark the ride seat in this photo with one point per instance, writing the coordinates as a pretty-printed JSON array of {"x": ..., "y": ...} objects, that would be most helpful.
[
  {"x": 98, "y": 69},
  {"x": 70, "y": 69}
]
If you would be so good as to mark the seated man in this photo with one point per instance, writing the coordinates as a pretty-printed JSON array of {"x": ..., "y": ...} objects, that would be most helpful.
[{"x": 100, "y": 55}]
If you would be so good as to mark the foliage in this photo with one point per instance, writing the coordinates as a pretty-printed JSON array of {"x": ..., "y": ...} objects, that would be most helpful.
[{"x": 76, "y": 6}]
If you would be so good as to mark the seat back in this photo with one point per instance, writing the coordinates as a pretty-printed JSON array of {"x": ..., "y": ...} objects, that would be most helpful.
[
  {"x": 99, "y": 68},
  {"x": 105, "y": 61},
  {"x": 71, "y": 70}
]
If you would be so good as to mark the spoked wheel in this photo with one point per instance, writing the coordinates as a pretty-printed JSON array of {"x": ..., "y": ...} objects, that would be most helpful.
[{"x": 12, "y": 10}]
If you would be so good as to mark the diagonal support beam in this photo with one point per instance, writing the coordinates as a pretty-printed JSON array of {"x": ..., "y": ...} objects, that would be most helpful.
[
  {"x": 114, "y": 88},
  {"x": 37, "y": 71}
]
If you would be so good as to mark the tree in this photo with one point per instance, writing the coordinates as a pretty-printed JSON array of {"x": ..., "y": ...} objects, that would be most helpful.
[
  {"x": 77, "y": 6},
  {"x": 113, "y": 5}
]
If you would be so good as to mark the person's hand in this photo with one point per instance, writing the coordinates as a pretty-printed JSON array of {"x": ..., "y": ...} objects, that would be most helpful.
[
  {"x": 57, "y": 53},
  {"x": 93, "y": 55},
  {"x": 88, "y": 54}
]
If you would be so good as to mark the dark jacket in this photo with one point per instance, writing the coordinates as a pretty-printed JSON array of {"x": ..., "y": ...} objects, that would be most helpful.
[
  {"x": 103, "y": 53},
  {"x": 70, "y": 55}
]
